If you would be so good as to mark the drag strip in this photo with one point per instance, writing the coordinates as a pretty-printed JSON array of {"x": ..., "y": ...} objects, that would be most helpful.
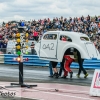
[{"x": 40, "y": 74}]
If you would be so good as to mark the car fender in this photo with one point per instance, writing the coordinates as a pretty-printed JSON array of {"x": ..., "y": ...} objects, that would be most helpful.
[{"x": 98, "y": 54}]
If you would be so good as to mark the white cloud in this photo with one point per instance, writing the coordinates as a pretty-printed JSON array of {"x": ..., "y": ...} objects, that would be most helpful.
[
  {"x": 22, "y": 2},
  {"x": 36, "y": 9},
  {"x": 18, "y": 17},
  {"x": 3, "y": 7}
]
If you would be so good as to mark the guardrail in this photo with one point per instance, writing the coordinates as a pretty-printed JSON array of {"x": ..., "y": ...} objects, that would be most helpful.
[{"x": 35, "y": 61}]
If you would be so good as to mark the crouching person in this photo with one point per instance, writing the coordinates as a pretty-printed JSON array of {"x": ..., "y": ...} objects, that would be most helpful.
[{"x": 68, "y": 60}]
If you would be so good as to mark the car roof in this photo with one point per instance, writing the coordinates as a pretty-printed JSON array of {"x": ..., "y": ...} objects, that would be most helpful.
[
  {"x": 69, "y": 33},
  {"x": 75, "y": 36}
]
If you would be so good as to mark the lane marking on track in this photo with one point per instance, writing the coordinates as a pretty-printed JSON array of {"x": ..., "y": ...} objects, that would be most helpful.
[
  {"x": 72, "y": 85},
  {"x": 82, "y": 98},
  {"x": 63, "y": 89}
]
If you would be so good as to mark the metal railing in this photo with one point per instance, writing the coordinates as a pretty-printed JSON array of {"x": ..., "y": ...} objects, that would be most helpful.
[
  {"x": 2, "y": 50},
  {"x": 13, "y": 51}
]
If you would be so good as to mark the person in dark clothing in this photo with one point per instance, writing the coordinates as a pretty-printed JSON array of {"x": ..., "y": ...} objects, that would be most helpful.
[
  {"x": 0, "y": 45},
  {"x": 61, "y": 67},
  {"x": 54, "y": 64},
  {"x": 4, "y": 46},
  {"x": 32, "y": 48},
  {"x": 80, "y": 61},
  {"x": 50, "y": 69}
]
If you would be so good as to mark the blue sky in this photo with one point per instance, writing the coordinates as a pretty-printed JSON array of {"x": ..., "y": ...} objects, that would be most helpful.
[{"x": 40, "y": 9}]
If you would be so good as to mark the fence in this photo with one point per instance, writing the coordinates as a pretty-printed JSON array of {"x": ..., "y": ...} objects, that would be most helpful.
[
  {"x": 35, "y": 61},
  {"x": 13, "y": 51}
]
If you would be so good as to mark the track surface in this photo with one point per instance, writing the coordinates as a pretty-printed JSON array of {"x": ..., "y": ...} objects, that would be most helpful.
[
  {"x": 48, "y": 88},
  {"x": 40, "y": 74}
]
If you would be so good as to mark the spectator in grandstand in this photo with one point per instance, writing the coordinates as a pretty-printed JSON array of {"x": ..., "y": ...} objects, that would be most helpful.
[
  {"x": 86, "y": 25},
  {"x": 4, "y": 46},
  {"x": 1, "y": 36},
  {"x": 0, "y": 45},
  {"x": 10, "y": 35},
  {"x": 35, "y": 35},
  {"x": 32, "y": 49}
]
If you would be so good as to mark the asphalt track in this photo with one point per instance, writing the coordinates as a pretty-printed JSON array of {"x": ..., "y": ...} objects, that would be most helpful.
[
  {"x": 32, "y": 74},
  {"x": 40, "y": 74}
]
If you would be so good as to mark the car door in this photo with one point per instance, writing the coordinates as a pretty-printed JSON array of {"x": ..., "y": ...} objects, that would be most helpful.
[
  {"x": 91, "y": 50},
  {"x": 48, "y": 46}
]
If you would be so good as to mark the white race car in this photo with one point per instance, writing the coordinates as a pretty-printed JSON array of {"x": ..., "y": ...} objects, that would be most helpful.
[{"x": 55, "y": 44}]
